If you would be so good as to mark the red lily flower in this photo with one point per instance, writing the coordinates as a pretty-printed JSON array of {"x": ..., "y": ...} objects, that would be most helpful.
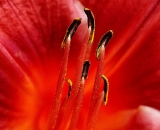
[{"x": 30, "y": 36}]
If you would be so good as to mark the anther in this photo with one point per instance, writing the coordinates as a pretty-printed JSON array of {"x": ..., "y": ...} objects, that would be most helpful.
[
  {"x": 103, "y": 42},
  {"x": 85, "y": 69},
  {"x": 70, "y": 31},
  {"x": 91, "y": 24},
  {"x": 70, "y": 86},
  {"x": 106, "y": 87}
]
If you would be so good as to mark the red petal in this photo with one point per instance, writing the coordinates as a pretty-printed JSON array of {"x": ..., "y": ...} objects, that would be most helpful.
[
  {"x": 132, "y": 56},
  {"x": 30, "y": 36},
  {"x": 145, "y": 118},
  {"x": 141, "y": 118},
  {"x": 32, "y": 30}
]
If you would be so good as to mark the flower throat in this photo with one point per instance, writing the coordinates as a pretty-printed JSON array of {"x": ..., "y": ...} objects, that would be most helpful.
[{"x": 64, "y": 115}]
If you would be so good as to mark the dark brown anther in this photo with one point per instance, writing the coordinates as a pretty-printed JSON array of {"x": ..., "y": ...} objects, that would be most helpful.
[
  {"x": 70, "y": 86},
  {"x": 85, "y": 69},
  {"x": 106, "y": 87},
  {"x": 104, "y": 40},
  {"x": 91, "y": 24},
  {"x": 70, "y": 31}
]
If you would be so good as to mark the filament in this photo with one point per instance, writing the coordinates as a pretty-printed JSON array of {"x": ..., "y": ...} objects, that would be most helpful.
[
  {"x": 65, "y": 114},
  {"x": 63, "y": 70}
]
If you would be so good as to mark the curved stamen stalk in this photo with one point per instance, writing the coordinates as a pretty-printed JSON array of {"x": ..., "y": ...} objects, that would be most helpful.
[
  {"x": 63, "y": 106},
  {"x": 81, "y": 58},
  {"x": 87, "y": 40},
  {"x": 79, "y": 97},
  {"x": 58, "y": 92},
  {"x": 65, "y": 115},
  {"x": 92, "y": 119},
  {"x": 102, "y": 97},
  {"x": 100, "y": 54}
]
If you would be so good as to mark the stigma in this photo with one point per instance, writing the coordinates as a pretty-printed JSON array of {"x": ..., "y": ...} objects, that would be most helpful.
[{"x": 64, "y": 114}]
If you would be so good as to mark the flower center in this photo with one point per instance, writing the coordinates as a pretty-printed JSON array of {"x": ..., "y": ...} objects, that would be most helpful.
[{"x": 65, "y": 115}]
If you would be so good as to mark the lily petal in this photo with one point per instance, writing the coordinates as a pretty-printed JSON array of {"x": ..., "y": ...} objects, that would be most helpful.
[
  {"x": 141, "y": 118},
  {"x": 29, "y": 41},
  {"x": 30, "y": 33},
  {"x": 145, "y": 118},
  {"x": 132, "y": 57}
]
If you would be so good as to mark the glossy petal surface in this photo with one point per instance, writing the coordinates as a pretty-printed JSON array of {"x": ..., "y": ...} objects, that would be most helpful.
[
  {"x": 30, "y": 36},
  {"x": 132, "y": 62}
]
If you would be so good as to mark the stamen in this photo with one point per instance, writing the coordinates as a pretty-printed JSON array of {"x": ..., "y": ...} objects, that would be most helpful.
[
  {"x": 93, "y": 118},
  {"x": 102, "y": 97},
  {"x": 63, "y": 106},
  {"x": 106, "y": 85},
  {"x": 87, "y": 40},
  {"x": 71, "y": 30},
  {"x": 70, "y": 86},
  {"x": 100, "y": 54},
  {"x": 81, "y": 58},
  {"x": 70, "y": 108},
  {"x": 58, "y": 92},
  {"x": 79, "y": 98},
  {"x": 91, "y": 23},
  {"x": 104, "y": 40}
]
